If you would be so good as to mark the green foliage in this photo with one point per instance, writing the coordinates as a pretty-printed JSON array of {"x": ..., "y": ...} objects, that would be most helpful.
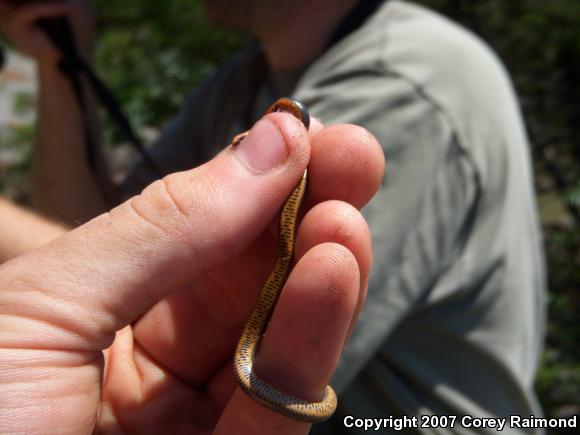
[
  {"x": 153, "y": 53},
  {"x": 558, "y": 382},
  {"x": 24, "y": 102},
  {"x": 16, "y": 161}
]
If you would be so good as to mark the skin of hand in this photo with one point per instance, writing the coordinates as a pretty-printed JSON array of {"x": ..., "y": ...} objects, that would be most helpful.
[
  {"x": 17, "y": 24},
  {"x": 128, "y": 324}
]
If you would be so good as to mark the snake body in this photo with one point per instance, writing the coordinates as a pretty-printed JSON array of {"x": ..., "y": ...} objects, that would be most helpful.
[{"x": 247, "y": 347}]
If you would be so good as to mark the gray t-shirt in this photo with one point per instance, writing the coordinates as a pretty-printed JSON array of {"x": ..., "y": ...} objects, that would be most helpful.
[{"x": 455, "y": 313}]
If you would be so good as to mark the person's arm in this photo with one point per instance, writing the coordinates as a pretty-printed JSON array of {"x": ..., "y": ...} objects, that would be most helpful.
[
  {"x": 63, "y": 186},
  {"x": 22, "y": 231}
]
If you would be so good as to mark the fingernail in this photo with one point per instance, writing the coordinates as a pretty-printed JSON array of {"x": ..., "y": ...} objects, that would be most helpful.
[{"x": 264, "y": 148}]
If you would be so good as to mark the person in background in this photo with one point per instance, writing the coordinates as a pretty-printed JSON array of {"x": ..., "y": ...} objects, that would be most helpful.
[{"x": 456, "y": 300}]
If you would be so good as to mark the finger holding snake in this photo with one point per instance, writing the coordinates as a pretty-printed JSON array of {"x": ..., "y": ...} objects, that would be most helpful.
[
  {"x": 206, "y": 306},
  {"x": 229, "y": 291},
  {"x": 117, "y": 280},
  {"x": 303, "y": 341}
]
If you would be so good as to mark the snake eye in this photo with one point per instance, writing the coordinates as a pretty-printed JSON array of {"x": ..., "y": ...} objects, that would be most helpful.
[{"x": 292, "y": 106}]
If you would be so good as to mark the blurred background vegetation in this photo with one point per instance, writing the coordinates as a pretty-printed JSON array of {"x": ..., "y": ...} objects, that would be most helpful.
[{"x": 153, "y": 53}]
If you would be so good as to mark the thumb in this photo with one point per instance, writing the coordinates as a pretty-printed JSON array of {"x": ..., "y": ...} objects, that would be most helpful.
[{"x": 77, "y": 291}]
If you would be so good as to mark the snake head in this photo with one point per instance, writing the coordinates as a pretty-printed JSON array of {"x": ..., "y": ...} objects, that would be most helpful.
[
  {"x": 285, "y": 104},
  {"x": 292, "y": 106}
]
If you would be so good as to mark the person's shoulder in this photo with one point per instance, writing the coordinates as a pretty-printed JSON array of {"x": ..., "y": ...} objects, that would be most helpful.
[
  {"x": 435, "y": 55},
  {"x": 430, "y": 49}
]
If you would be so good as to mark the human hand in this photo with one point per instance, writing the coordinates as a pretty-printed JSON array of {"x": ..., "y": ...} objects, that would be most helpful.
[
  {"x": 18, "y": 23},
  {"x": 128, "y": 324}
]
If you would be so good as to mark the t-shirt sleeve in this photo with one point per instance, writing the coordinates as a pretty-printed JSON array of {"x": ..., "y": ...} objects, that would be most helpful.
[{"x": 416, "y": 218}]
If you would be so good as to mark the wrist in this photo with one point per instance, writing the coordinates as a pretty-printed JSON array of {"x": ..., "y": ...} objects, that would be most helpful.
[
  {"x": 49, "y": 67},
  {"x": 48, "y": 70}
]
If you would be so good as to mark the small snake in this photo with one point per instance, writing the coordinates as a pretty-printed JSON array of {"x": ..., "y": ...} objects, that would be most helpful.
[{"x": 245, "y": 355}]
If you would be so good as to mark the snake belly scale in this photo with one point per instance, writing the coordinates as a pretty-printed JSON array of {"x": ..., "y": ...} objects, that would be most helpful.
[{"x": 247, "y": 347}]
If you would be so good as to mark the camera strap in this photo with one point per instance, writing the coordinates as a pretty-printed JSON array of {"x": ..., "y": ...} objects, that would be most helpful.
[
  {"x": 74, "y": 67},
  {"x": 355, "y": 19}
]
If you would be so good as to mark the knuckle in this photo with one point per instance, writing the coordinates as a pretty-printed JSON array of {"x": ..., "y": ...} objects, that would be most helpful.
[
  {"x": 183, "y": 208},
  {"x": 335, "y": 221},
  {"x": 156, "y": 206}
]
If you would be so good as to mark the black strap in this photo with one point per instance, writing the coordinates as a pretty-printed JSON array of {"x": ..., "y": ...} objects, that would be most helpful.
[
  {"x": 73, "y": 66},
  {"x": 2, "y": 58},
  {"x": 363, "y": 10}
]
